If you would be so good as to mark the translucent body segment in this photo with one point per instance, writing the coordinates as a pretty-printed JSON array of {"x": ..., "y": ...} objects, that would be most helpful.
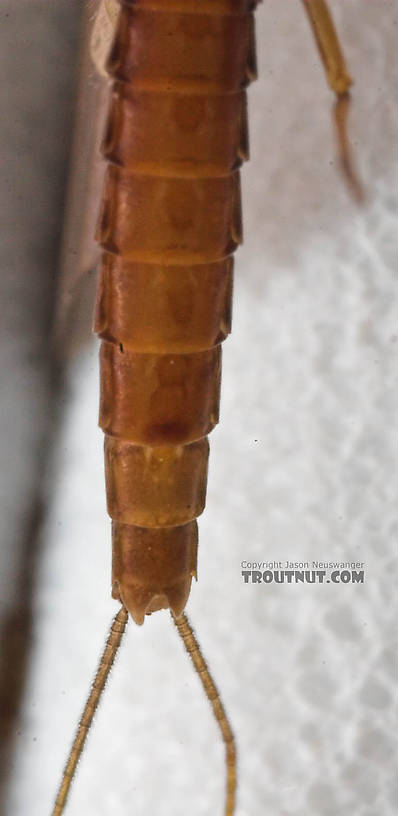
[
  {"x": 170, "y": 220},
  {"x": 176, "y": 134},
  {"x": 171, "y": 50},
  {"x": 159, "y": 399},
  {"x": 152, "y": 567},
  {"x": 155, "y": 487},
  {"x": 159, "y": 309}
]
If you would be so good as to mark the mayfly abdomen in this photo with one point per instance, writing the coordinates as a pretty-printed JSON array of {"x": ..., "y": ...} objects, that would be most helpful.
[{"x": 170, "y": 221}]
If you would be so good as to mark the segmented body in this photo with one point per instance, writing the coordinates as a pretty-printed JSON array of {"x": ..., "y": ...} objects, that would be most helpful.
[{"x": 170, "y": 221}]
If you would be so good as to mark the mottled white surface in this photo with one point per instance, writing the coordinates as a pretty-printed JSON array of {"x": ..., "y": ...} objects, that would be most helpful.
[{"x": 303, "y": 465}]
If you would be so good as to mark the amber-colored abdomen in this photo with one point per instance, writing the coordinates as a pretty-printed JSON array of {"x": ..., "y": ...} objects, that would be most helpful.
[{"x": 175, "y": 138}]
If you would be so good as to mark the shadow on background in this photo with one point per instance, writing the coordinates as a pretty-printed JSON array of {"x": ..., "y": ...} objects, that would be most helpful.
[{"x": 39, "y": 42}]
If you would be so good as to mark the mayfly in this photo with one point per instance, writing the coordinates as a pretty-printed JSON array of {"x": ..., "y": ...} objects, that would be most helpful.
[{"x": 175, "y": 139}]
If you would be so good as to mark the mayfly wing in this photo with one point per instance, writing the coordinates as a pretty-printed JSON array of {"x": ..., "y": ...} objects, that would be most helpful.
[{"x": 79, "y": 255}]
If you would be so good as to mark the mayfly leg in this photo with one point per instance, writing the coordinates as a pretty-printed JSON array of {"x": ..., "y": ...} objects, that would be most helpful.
[{"x": 339, "y": 81}]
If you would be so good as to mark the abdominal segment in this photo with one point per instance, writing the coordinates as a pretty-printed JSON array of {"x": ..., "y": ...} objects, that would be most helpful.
[{"x": 170, "y": 220}]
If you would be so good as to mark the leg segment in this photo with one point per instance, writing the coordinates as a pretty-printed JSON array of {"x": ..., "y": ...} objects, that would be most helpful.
[{"x": 339, "y": 81}]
